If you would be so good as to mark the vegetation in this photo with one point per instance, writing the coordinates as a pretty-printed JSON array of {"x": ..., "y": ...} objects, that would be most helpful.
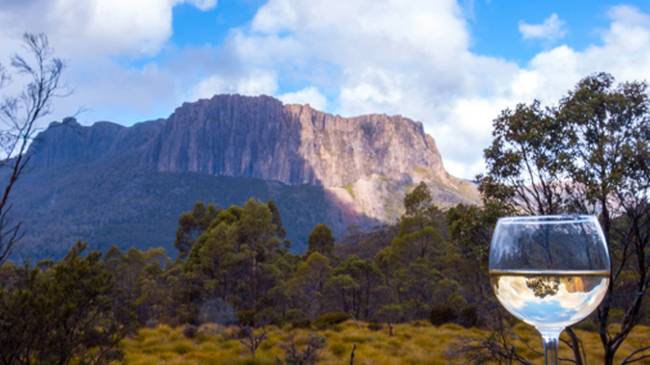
[
  {"x": 412, "y": 343},
  {"x": 590, "y": 154}
]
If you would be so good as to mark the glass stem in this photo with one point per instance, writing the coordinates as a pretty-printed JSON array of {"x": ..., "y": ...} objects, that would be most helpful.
[{"x": 551, "y": 339}]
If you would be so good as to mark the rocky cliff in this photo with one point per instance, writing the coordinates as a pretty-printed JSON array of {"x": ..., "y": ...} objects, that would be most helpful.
[
  {"x": 347, "y": 170},
  {"x": 367, "y": 161}
]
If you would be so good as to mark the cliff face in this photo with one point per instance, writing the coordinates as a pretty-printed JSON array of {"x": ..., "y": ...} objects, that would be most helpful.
[
  {"x": 321, "y": 168},
  {"x": 367, "y": 161},
  {"x": 232, "y": 135},
  {"x": 295, "y": 144}
]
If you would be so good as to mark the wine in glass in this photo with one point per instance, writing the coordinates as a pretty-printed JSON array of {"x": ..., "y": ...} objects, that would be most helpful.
[{"x": 549, "y": 271}]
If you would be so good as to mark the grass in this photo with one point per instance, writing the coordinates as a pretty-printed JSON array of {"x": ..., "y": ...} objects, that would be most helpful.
[{"x": 416, "y": 343}]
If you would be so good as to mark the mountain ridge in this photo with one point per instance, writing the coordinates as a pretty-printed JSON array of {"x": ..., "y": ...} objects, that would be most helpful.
[{"x": 362, "y": 166}]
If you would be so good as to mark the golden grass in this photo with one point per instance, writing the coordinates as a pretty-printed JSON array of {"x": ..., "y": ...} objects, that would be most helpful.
[{"x": 416, "y": 343}]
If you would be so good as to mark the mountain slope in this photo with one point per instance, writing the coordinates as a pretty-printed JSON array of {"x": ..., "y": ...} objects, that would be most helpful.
[{"x": 127, "y": 185}]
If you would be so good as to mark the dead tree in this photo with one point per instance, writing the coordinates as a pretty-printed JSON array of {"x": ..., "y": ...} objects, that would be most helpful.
[
  {"x": 19, "y": 117},
  {"x": 252, "y": 340}
]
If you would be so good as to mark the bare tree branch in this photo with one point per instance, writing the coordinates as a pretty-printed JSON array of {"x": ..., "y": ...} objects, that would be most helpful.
[{"x": 18, "y": 119}]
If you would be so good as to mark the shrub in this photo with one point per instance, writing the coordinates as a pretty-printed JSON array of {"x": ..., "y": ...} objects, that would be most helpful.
[
  {"x": 468, "y": 317},
  {"x": 297, "y": 319},
  {"x": 442, "y": 314},
  {"x": 210, "y": 329},
  {"x": 182, "y": 347},
  {"x": 330, "y": 319},
  {"x": 304, "y": 323},
  {"x": 375, "y": 326},
  {"x": 338, "y": 349},
  {"x": 246, "y": 317},
  {"x": 190, "y": 331}
]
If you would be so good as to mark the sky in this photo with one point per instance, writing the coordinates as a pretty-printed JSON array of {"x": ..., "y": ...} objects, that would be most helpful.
[{"x": 452, "y": 65}]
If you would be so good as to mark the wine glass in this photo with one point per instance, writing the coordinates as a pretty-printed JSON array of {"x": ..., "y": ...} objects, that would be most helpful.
[{"x": 549, "y": 271}]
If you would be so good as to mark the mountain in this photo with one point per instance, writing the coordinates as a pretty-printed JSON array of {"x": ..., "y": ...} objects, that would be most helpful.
[{"x": 111, "y": 184}]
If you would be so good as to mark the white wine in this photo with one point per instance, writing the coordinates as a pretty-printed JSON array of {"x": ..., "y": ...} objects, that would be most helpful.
[{"x": 550, "y": 299}]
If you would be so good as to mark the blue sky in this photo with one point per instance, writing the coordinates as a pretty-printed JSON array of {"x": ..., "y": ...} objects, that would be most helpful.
[
  {"x": 451, "y": 64},
  {"x": 493, "y": 23}
]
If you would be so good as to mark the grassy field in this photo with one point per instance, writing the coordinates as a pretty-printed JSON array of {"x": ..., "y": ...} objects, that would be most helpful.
[{"x": 416, "y": 343}]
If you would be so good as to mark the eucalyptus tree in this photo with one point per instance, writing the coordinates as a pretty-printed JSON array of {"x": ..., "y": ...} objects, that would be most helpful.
[{"x": 590, "y": 154}]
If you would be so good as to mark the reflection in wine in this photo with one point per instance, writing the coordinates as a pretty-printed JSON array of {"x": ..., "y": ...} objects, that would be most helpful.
[{"x": 550, "y": 299}]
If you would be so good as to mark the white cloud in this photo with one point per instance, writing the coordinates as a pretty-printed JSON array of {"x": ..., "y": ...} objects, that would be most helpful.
[
  {"x": 91, "y": 36},
  {"x": 380, "y": 57},
  {"x": 256, "y": 83},
  {"x": 552, "y": 28},
  {"x": 201, "y": 4},
  {"x": 309, "y": 95},
  {"x": 416, "y": 61},
  {"x": 97, "y": 27}
]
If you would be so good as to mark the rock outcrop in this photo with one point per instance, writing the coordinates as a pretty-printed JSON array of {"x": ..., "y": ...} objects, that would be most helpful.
[{"x": 367, "y": 161}]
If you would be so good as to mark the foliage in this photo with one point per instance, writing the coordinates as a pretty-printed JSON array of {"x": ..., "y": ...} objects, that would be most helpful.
[
  {"x": 321, "y": 240},
  {"x": 238, "y": 259},
  {"x": 329, "y": 319},
  {"x": 588, "y": 155},
  {"x": 192, "y": 224},
  {"x": 61, "y": 312},
  {"x": 412, "y": 343},
  {"x": 306, "y": 356}
]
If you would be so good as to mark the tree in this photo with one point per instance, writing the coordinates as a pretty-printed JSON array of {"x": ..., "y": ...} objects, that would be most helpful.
[
  {"x": 277, "y": 219},
  {"x": 237, "y": 259},
  {"x": 608, "y": 135},
  {"x": 191, "y": 224},
  {"x": 414, "y": 262},
  {"x": 354, "y": 282},
  {"x": 525, "y": 160},
  {"x": 19, "y": 116},
  {"x": 306, "y": 287},
  {"x": 588, "y": 155},
  {"x": 60, "y": 313},
  {"x": 470, "y": 231},
  {"x": 142, "y": 283},
  {"x": 321, "y": 240}
]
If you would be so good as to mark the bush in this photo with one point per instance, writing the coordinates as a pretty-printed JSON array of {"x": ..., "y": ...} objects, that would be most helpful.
[
  {"x": 246, "y": 318},
  {"x": 210, "y": 329},
  {"x": 300, "y": 323},
  {"x": 468, "y": 317},
  {"x": 375, "y": 326},
  {"x": 442, "y": 314},
  {"x": 297, "y": 318},
  {"x": 190, "y": 331},
  {"x": 338, "y": 349},
  {"x": 330, "y": 319}
]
